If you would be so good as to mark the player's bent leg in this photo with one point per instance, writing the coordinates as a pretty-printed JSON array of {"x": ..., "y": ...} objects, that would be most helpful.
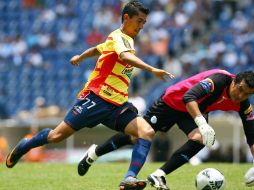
[
  {"x": 115, "y": 142},
  {"x": 25, "y": 145},
  {"x": 45, "y": 136},
  {"x": 94, "y": 151},
  {"x": 139, "y": 128},
  {"x": 61, "y": 132},
  {"x": 88, "y": 159},
  {"x": 132, "y": 183}
]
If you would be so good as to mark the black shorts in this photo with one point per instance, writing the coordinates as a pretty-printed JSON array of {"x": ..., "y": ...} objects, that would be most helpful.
[{"x": 162, "y": 118}]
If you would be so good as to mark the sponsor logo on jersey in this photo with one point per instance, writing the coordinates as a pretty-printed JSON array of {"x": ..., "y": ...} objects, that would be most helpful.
[
  {"x": 128, "y": 70},
  {"x": 108, "y": 91},
  {"x": 207, "y": 85}
]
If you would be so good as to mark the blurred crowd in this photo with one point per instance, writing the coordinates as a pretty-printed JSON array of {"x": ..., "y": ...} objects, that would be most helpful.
[{"x": 38, "y": 37}]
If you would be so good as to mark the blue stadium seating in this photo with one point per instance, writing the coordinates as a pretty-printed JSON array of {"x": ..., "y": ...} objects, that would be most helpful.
[{"x": 58, "y": 81}]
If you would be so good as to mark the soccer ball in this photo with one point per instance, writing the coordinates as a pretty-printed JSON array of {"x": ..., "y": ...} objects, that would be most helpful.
[{"x": 210, "y": 179}]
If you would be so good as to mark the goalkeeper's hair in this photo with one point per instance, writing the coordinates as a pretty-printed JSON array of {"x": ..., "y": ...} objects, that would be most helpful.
[
  {"x": 133, "y": 8},
  {"x": 247, "y": 76}
]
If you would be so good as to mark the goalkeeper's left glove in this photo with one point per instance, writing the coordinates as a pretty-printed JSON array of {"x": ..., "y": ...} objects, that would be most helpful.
[{"x": 249, "y": 177}]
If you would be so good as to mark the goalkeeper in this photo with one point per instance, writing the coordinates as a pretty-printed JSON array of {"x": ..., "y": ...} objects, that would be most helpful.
[{"x": 187, "y": 104}]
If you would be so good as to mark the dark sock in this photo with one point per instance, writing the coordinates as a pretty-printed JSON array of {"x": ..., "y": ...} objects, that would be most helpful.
[
  {"x": 114, "y": 143},
  {"x": 37, "y": 140},
  {"x": 182, "y": 155},
  {"x": 138, "y": 158}
]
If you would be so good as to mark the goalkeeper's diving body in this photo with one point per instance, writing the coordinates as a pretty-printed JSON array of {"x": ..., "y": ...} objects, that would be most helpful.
[
  {"x": 104, "y": 99},
  {"x": 187, "y": 104}
]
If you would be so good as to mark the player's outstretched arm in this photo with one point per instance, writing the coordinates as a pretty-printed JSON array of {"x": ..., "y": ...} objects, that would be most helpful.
[
  {"x": 91, "y": 52},
  {"x": 133, "y": 60}
]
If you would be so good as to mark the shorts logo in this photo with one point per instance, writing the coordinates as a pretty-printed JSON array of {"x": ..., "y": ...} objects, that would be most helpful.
[
  {"x": 77, "y": 109},
  {"x": 153, "y": 119}
]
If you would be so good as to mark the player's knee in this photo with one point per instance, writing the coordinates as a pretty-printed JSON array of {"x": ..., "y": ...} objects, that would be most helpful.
[
  {"x": 139, "y": 128},
  {"x": 195, "y": 135},
  {"x": 133, "y": 139},
  {"x": 147, "y": 133},
  {"x": 54, "y": 137}
]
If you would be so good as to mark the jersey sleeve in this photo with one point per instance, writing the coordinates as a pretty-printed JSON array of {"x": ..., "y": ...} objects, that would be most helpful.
[
  {"x": 122, "y": 44},
  {"x": 246, "y": 114},
  {"x": 212, "y": 85},
  {"x": 100, "y": 47}
]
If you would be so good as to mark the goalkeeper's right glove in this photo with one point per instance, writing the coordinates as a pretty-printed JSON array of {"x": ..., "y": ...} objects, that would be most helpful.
[{"x": 207, "y": 132}]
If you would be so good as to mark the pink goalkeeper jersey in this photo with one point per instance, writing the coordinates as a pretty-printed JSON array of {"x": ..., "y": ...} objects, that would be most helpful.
[{"x": 174, "y": 94}]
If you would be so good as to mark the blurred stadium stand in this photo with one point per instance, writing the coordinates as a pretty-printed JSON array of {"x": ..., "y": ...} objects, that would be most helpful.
[{"x": 37, "y": 39}]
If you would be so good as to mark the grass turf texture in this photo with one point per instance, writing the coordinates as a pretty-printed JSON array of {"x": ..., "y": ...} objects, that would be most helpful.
[{"x": 49, "y": 176}]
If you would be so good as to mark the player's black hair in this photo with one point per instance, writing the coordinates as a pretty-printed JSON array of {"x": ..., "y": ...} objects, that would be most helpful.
[
  {"x": 247, "y": 76},
  {"x": 133, "y": 8}
]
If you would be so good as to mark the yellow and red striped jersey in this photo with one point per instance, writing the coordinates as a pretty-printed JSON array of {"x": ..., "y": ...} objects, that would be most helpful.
[{"x": 110, "y": 78}]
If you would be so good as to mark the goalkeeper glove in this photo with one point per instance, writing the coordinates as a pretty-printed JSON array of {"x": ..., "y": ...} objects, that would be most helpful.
[{"x": 207, "y": 132}]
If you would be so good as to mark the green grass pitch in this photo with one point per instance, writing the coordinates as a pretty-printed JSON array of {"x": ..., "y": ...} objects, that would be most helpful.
[{"x": 106, "y": 176}]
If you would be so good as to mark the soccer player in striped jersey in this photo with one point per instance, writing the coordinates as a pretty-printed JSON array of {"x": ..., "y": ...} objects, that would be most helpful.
[
  {"x": 104, "y": 98},
  {"x": 187, "y": 104}
]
